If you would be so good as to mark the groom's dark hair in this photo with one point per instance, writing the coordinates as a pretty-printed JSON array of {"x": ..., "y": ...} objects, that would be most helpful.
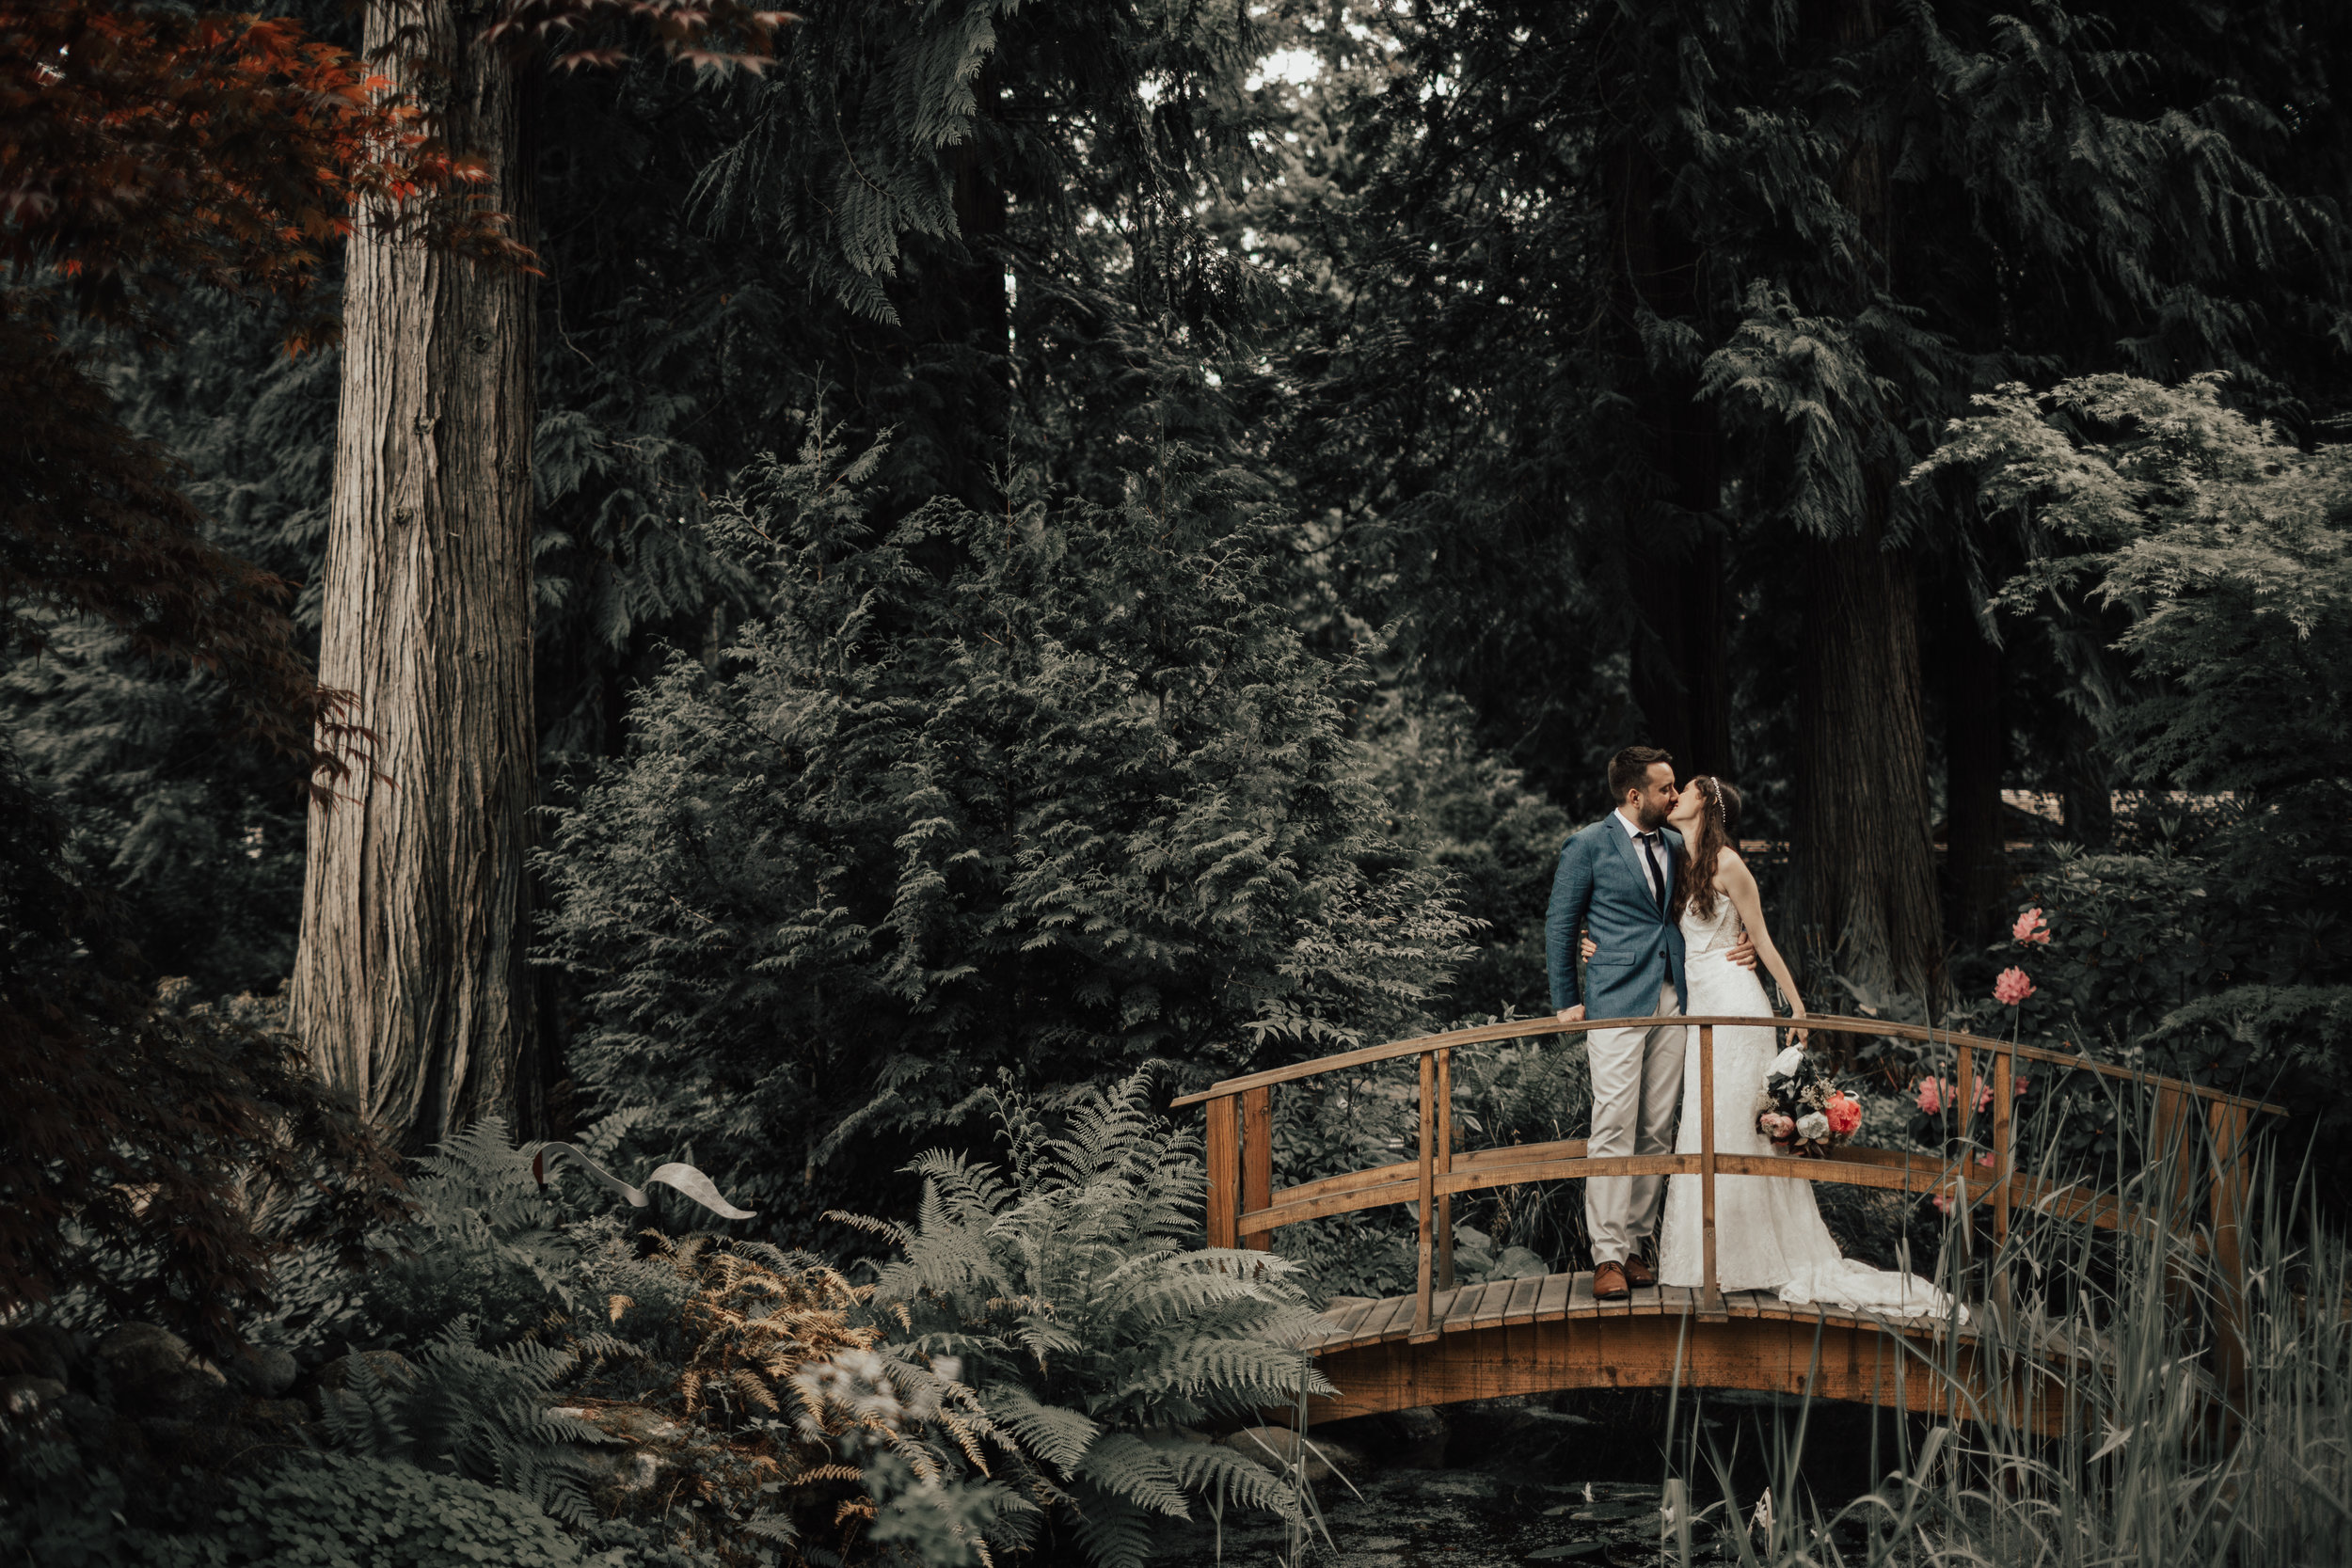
[{"x": 1630, "y": 770}]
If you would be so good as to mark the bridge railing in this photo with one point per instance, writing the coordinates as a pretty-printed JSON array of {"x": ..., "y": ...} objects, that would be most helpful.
[{"x": 1245, "y": 1208}]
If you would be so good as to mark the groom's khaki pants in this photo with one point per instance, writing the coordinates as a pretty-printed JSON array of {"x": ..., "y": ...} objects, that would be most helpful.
[{"x": 1637, "y": 1080}]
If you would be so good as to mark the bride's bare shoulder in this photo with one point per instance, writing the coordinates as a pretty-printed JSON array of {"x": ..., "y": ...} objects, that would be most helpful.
[{"x": 1729, "y": 864}]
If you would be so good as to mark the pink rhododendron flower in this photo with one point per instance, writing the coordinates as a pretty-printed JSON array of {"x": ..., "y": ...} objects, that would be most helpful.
[
  {"x": 1932, "y": 1095},
  {"x": 2030, "y": 926},
  {"x": 2011, "y": 988},
  {"x": 1984, "y": 1093},
  {"x": 1844, "y": 1112},
  {"x": 1985, "y": 1160},
  {"x": 2017, "y": 1085},
  {"x": 1942, "y": 1204}
]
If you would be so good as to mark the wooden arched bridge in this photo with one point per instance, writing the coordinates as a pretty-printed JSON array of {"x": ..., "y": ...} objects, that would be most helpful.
[{"x": 1445, "y": 1343}]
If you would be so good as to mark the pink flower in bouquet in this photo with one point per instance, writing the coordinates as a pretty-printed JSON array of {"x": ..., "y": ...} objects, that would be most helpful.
[
  {"x": 1931, "y": 1093},
  {"x": 1776, "y": 1126},
  {"x": 2011, "y": 988},
  {"x": 1844, "y": 1112},
  {"x": 2030, "y": 926}
]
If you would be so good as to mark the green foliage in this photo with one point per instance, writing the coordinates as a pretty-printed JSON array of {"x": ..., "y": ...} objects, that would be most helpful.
[
  {"x": 1456, "y": 807},
  {"x": 158, "y": 1154},
  {"x": 2218, "y": 549},
  {"x": 383, "y": 1514},
  {"x": 307, "y": 1511},
  {"x": 1061, "y": 788},
  {"x": 484, "y": 1243},
  {"x": 853, "y": 155},
  {"x": 1066, "y": 1291},
  {"x": 459, "y": 1408}
]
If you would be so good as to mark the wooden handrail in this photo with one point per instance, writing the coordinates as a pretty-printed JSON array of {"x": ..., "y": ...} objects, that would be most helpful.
[
  {"x": 1827, "y": 1023},
  {"x": 1243, "y": 1210}
]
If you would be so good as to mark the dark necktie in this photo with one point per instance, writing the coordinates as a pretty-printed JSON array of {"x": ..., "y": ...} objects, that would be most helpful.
[{"x": 1656, "y": 877}]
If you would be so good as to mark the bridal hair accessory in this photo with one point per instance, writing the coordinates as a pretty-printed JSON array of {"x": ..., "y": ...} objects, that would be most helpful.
[
  {"x": 1802, "y": 1109},
  {"x": 685, "y": 1177}
]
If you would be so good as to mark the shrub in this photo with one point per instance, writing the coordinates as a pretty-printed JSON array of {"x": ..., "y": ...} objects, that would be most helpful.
[
  {"x": 483, "y": 1243},
  {"x": 156, "y": 1155},
  {"x": 1062, "y": 790},
  {"x": 1066, "y": 1293},
  {"x": 310, "y": 1511},
  {"x": 2223, "y": 552},
  {"x": 1456, "y": 807}
]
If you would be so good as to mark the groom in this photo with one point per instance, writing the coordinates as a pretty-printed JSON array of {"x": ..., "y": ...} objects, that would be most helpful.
[{"x": 1617, "y": 878}]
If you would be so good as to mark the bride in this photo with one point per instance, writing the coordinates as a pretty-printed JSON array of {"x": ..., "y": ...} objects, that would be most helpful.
[{"x": 1769, "y": 1234}]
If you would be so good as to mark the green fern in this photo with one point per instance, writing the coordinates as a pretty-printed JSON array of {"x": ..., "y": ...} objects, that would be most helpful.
[
  {"x": 466, "y": 1411},
  {"x": 1068, "y": 1288}
]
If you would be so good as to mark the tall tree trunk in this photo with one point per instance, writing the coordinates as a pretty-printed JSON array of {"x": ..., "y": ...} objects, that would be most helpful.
[
  {"x": 1976, "y": 734},
  {"x": 1863, "y": 817},
  {"x": 1862, "y": 823},
  {"x": 1674, "y": 563},
  {"x": 410, "y": 987}
]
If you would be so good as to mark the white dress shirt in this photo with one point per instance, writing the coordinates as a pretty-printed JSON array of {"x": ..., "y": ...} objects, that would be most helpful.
[{"x": 1634, "y": 830}]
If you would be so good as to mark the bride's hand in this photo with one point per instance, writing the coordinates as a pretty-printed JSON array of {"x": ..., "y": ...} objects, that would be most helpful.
[{"x": 1797, "y": 1034}]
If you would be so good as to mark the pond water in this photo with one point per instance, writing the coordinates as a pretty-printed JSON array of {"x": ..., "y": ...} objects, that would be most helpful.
[{"x": 1568, "y": 1479}]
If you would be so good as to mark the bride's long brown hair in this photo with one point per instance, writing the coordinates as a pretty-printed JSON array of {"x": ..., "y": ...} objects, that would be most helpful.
[{"x": 1694, "y": 878}]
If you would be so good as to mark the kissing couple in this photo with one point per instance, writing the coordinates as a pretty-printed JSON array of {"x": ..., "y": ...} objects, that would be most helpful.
[{"x": 1668, "y": 919}]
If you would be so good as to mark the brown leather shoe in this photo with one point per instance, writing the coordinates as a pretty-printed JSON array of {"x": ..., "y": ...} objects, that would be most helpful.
[
  {"x": 1637, "y": 1273},
  {"x": 1609, "y": 1282}
]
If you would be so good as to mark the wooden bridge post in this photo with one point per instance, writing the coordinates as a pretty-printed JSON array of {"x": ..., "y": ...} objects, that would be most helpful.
[
  {"x": 1428, "y": 1207},
  {"x": 1965, "y": 1089},
  {"x": 1711, "y": 1288},
  {"x": 1445, "y": 1167},
  {"x": 1223, "y": 1158},
  {"x": 2174, "y": 1133},
  {"x": 2231, "y": 1182},
  {"x": 1257, "y": 1161},
  {"x": 2004, "y": 1168}
]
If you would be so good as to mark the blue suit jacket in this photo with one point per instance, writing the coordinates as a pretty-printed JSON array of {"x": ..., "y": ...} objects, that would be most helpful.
[{"x": 1601, "y": 886}]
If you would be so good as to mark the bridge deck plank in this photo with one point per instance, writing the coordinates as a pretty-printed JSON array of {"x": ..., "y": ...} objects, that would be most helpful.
[
  {"x": 1396, "y": 1322},
  {"x": 1341, "y": 1329},
  {"x": 1525, "y": 1303},
  {"x": 1468, "y": 1312}
]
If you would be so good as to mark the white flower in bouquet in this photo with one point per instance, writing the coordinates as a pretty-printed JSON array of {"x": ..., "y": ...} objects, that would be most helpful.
[
  {"x": 1813, "y": 1125},
  {"x": 1789, "y": 1060}
]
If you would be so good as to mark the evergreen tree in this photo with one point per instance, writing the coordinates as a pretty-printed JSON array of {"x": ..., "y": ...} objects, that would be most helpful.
[{"x": 1828, "y": 225}]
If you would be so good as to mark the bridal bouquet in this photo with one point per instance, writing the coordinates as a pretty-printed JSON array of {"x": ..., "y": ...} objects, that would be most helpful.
[{"x": 1803, "y": 1110}]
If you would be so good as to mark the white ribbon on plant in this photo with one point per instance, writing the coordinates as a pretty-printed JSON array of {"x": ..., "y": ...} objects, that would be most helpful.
[{"x": 683, "y": 1178}]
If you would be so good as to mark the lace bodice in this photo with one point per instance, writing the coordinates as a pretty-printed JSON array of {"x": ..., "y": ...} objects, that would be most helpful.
[{"x": 1718, "y": 932}]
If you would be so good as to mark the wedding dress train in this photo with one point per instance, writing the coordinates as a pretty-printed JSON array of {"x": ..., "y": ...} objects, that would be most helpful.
[{"x": 1769, "y": 1234}]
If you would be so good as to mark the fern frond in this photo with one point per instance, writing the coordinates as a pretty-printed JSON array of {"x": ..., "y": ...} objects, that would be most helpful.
[{"x": 1057, "y": 1435}]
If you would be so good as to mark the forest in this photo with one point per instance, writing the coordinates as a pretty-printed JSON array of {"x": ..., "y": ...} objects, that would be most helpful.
[{"x": 670, "y": 666}]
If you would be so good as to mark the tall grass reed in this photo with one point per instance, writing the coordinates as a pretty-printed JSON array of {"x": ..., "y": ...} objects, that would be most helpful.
[{"x": 2182, "y": 1422}]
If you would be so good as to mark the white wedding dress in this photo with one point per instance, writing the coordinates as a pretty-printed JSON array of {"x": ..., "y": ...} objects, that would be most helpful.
[{"x": 1769, "y": 1234}]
